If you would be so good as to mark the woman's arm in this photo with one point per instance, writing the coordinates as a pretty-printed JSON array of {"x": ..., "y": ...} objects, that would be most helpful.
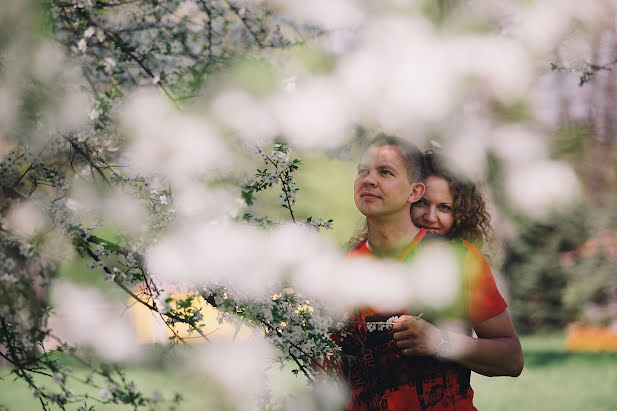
[{"x": 496, "y": 351}]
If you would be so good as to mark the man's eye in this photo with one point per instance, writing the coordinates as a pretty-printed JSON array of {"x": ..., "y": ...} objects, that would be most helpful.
[
  {"x": 362, "y": 171},
  {"x": 386, "y": 172}
]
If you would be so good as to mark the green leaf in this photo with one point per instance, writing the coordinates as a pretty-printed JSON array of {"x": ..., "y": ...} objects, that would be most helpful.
[{"x": 247, "y": 196}]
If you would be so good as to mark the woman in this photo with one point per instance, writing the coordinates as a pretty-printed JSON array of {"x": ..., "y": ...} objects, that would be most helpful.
[
  {"x": 421, "y": 366},
  {"x": 451, "y": 206}
]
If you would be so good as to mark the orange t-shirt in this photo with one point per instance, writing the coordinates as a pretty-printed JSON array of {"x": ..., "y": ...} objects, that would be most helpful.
[{"x": 381, "y": 378}]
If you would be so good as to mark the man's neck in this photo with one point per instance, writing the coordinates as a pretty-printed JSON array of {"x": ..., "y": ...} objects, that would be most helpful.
[{"x": 387, "y": 238}]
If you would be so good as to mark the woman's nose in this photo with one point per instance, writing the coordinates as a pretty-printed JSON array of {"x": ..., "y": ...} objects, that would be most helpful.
[{"x": 431, "y": 215}]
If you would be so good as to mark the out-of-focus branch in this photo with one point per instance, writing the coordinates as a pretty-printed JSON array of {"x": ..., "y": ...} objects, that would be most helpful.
[
  {"x": 246, "y": 24},
  {"x": 87, "y": 157},
  {"x": 145, "y": 303}
]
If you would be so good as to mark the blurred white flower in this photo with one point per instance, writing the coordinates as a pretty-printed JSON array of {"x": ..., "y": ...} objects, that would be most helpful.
[
  {"x": 89, "y": 32},
  {"x": 240, "y": 367},
  {"x": 315, "y": 115},
  {"x": 289, "y": 84},
  {"x": 165, "y": 142},
  {"x": 124, "y": 210},
  {"x": 517, "y": 145},
  {"x": 466, "y": 151},
  {"x": 340, "y": 283},
  {"x": 246, "y": 115},
  {"x": 93, "y": 114},
  {"x": 26, "y": 218},
  {"x": 82, "y": 45},
  {"x": 8, "y": 110},
  {"x": 542, "y": 25},
  {"x": 197, "y": 202},
  {"x": 436, "y": 278},
  {"x": 325, "y": 395},
  {"x": 49, "y": 62},
  {"x": 110, "y": 63},
  {"x": 83, "y": 316},
  {"x": 249, "y": 260},
  {"x": 539, "y": 188},
  {"x": 105, "y": 394},
  {"x": 327, "y": 14}
]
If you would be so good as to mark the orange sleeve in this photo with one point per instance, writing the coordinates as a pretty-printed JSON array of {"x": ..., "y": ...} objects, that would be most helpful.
[{"x": 483, "y": 298}]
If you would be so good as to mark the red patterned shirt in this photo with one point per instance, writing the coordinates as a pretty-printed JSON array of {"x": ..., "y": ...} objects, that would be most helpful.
[{"x": 381, "y": 378}]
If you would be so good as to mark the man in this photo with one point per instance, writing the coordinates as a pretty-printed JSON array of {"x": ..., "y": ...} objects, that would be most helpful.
[{"x": 419, "y": 366}]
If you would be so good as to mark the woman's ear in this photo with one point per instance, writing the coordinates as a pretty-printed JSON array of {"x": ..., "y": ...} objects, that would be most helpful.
[{"x": 417, "y": 191}]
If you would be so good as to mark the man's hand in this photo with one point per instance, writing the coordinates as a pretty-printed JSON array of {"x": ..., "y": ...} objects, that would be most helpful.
[{"x": 415, "y": 336}]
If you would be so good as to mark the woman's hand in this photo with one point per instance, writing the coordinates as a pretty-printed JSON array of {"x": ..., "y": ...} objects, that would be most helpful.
[
  {"x": 496, "y": 351},
  {"x": 415, "y": 336}
]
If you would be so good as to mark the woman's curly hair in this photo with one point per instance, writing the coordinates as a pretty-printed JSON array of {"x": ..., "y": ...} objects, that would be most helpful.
[{"x": 472, "y": 222}]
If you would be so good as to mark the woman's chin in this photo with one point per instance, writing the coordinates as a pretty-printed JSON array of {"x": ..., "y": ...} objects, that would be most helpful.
[{"x": 434, "y": 230}]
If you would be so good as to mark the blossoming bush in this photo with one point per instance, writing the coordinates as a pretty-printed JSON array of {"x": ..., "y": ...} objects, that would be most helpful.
[{"x": 128, "y": 133}]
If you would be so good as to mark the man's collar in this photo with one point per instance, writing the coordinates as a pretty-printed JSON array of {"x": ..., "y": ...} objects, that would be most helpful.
[{"x": 365, "y": 248}]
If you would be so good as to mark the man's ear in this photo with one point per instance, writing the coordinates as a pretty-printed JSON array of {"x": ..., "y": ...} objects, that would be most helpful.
[{"x": 417, "y": 191}]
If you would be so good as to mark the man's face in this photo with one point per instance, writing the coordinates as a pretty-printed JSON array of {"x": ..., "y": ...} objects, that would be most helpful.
[{"x": 382, "y": 187}]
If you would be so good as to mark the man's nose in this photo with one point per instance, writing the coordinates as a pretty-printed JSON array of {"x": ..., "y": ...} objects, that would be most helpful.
[{"x": 369, "y": 179}]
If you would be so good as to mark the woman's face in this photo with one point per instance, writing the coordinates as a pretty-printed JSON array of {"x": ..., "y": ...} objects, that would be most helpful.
[{"x": 434, "y": 210}]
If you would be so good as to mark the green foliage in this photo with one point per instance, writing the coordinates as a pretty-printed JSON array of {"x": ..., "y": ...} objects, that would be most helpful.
[
  {"x": 592, "y": 289},
  {"x": 536, "y": 278},
  {"x": 256, "y": 76},
  {"x": 568, "y": 142},
  {"x": 314, "y": 59}
]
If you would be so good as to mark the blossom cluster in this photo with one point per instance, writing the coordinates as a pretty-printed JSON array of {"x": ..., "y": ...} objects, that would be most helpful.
[
  {"x": 299, "y": 327},
  {"x": 319, "y": 223},
  {"x": 165, "y": 44}
]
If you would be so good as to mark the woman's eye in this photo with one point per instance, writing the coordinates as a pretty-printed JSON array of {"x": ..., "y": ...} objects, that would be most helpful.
[
  {"x": 445, "y": 207},
  {"x": 420, "y": 203}
]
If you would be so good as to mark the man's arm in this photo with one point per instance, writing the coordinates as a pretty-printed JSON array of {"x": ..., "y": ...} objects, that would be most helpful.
[{"x": 496, "y": 351}]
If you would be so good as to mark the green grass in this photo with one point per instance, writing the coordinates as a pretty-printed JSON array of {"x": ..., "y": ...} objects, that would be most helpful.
[
  {"x": 553, "y": 379},
  {"x": 198, "y": 392}
]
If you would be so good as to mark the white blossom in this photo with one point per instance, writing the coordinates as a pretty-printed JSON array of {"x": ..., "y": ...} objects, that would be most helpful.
[
  {"x": 105, "y": 394},
  {"x": 82, "y": 45},
  {"x": 89, "y": 32}
]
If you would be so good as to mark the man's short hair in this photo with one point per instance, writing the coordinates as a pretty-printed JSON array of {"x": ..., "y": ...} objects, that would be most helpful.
[{"x": 412, "y": 156}]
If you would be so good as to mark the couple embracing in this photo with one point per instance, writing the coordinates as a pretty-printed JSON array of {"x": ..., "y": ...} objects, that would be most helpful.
[{"x": 410, "y": 200}]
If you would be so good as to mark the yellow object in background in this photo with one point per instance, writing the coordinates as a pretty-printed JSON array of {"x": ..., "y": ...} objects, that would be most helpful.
[
  {"x": 151, "y": 328},
  {"x": 586, "y": 338}
]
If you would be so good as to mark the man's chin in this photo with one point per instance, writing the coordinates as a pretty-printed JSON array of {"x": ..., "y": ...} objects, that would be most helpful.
[
  {"x": 372, "y": 211},
  {"x": 368, "y": 212}
]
